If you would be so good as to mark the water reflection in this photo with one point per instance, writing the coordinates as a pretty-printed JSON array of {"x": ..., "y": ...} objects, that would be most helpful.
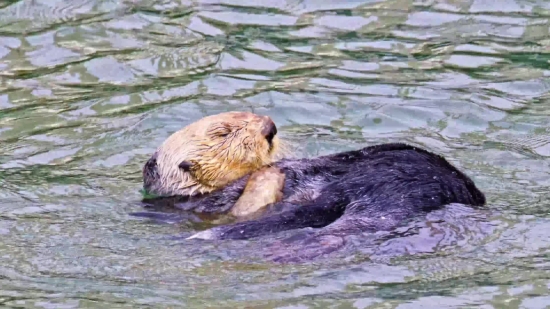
[{"x": 89, "y": 88}]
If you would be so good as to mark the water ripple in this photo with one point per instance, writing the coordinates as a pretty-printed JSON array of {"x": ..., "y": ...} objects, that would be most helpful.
[{"x": 88, "y": 90}]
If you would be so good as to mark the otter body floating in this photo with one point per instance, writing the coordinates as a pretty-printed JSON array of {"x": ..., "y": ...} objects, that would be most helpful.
[{"x": 366, "y": 190}]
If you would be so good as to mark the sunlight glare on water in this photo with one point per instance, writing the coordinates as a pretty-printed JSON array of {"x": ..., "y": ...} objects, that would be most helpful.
[{"x": 89, "y": 89}]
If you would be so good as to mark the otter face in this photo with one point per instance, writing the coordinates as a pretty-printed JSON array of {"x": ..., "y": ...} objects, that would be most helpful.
[{"x": 215, "y": 150}]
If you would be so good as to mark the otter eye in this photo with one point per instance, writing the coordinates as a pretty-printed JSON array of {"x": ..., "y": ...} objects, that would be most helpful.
[
  {"x": 224, "y": 134},
  {"x": 221, "y": 131},
  {"x": 186, "y": 166}
]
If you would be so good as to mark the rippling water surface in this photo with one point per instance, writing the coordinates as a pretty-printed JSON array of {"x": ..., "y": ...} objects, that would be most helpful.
[{"x": 88, "y": 90}]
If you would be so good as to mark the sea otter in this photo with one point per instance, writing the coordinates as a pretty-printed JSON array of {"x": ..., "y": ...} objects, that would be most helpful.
[
  {"x": 374, "y": 188},
  {"x": 210, "y": 153}
]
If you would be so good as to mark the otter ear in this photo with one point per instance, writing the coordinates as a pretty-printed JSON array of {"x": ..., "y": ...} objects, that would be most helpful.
[{"x": 185, "y": 165}]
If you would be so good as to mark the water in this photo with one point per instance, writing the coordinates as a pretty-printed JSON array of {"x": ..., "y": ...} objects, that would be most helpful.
[{"x": 88, "y": 90}]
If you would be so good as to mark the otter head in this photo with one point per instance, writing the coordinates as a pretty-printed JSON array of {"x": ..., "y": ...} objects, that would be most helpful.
[{"x": 212, "y": 152}]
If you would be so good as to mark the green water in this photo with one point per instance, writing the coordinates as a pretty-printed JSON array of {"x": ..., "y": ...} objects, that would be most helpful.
[{"x": 88, "y": 90}]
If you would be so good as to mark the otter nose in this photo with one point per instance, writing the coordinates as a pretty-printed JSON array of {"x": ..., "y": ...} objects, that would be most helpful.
[{"x": 269, "y": 130}]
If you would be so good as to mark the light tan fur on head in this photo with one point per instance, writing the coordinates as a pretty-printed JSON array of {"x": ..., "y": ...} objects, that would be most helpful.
[{"x": 215, "y": 150}]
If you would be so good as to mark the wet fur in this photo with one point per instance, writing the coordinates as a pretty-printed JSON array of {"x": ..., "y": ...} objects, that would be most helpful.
[
  {"x": 208, "y": 154},
  {"x": 372, "y": 189}
]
